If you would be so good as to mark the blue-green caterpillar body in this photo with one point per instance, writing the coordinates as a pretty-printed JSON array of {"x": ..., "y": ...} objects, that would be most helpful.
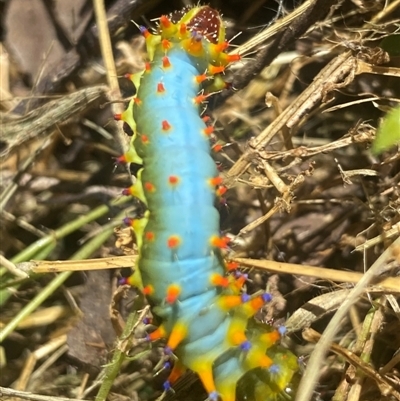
[{"x": 204, "y": 312}]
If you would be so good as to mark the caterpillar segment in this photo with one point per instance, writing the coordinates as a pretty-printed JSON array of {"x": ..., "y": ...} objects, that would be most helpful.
[{"x": 200, "y": 301}]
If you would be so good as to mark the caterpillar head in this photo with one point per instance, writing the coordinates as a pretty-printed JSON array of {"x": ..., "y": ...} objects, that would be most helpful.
[{"x": 203, "y": 20}]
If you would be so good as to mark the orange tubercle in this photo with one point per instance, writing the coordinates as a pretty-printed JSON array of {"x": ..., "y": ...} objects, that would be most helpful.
[
  {"x": 220, "y": 47},
  {"x": 182, "y": 29},
  {"x": 219, "y": 281},
  {"x": 221, "y": 190},
  {"x": 123, "y": 159},
  {"x": 271, "y": 338},
  {"x": 239, "y": 282},
  {"x": 216, "y": 69},
  {"x": 148, "y": 290},
  {"x": 129, "y": 191},
  {"x": 200, "y": 99},
  {"x": 173, "y": 293},
  {"x": 165, "y": 125},
  {"x": 173, "y": 242},
  {"x": 147, "y": 66},
  {"x": 231, "y": 266},
  {"x": 157, "y": 334},
  {"x": 149, "y": 235},
  {"x": 256, "y": 303},
  {"x": 145, "y": 32},
  {"x": 145, "y": 139},
  {"x": 217, "y": 147},
  {"x": 160, "y": 87},
  {"x": 251, "y": 307},
  {"x": 166, "y": 44},
  {"x": 201, "y": 78},
  {"x": 173, "y": 179},
  {"x": 231, "y": 58},
  {"x": 265, "y": 361},
  {"x": 165, "y": 22},
  {"x": 208, "y": 130},
  {"x": 219, "y": 242},
  {"x": 165, "y": 62},
  {"x": 215, "y": 181},
  {"x": 149, "y": 187}
]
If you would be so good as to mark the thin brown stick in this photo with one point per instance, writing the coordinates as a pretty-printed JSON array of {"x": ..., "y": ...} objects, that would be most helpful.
[
  {"x": 311, "y": 12},
  {"x": 390, "y": 283},
  {"x": 109, "y": 63},
  {"x": 337, "y": 71},
  {"x": 43, "y": 266}
]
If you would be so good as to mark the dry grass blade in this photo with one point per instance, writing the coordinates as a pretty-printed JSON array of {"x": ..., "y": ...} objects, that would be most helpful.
[
  {"x": 16, "y": 131},
  {"x": 390, "y": 283},
  {"x": 384, "y": 384},
  {"x": 272, "y": 30},
  {"x": 316, "y": 361},
  {"x": 25, "y": 395},
  {"x": 338, "y": 72}
]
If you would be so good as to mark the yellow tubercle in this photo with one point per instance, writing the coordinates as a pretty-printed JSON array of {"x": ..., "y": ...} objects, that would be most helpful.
[
  {"x": 193, "y": 47},
  {"x": 167, "y": 28},
  {"x": 228, "y": 302},
  {"x": 256, "y": 358},
  {"x": 287, "y": 365},
  {"x": 182, "y": 31},
  {"x": 216, "y": 50},
  {"x": 127, "y": 116},
  {"x": 269, "y": 339},
  {"x": 137, "y": 188},
  {"x": 138, "y": 226},
  {"x": 135, "y": 78},
  {"x": 216, "y": 85},
  {"x": 226, "y": 59},
  {"x": 213, "y": 69},
  {"x": 131, "y": 156},
  {"x": 135, "y": 280},
  {"x": 250, "y": 308},
  {"x": 236, "y": 332},
  {"x": 152, "y": 41}
]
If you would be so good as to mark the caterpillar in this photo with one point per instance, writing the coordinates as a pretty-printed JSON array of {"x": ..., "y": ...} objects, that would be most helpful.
[{"x": 204, "y": 312}]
